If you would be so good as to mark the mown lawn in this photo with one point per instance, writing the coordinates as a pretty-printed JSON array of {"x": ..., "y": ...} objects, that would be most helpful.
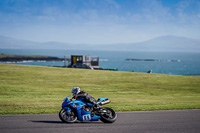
[{"x": 35, "y": 89}]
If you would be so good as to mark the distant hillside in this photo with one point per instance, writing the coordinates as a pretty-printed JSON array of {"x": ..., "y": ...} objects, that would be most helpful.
[
  {"x": 11, "y": 43},
  {"x": 163, "y": 43}
]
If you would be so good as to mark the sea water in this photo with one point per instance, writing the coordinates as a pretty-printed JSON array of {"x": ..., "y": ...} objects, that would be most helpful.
[{"x": 173, "y": 63}]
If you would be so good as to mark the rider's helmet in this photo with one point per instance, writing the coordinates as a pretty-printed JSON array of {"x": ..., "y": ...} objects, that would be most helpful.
[{"x": 75, "y": 91}]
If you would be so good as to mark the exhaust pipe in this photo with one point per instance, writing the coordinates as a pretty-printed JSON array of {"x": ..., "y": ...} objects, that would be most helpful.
[{"x": 105, "y": 102}]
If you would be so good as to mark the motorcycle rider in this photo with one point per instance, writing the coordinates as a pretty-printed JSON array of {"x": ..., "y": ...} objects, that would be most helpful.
[{"x": 77, "y": 93}]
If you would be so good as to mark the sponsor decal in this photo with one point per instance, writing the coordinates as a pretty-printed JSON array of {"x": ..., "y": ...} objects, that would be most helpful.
[{"x": 86, "y": 117}]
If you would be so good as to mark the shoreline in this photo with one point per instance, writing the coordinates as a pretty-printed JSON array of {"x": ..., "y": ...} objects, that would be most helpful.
[
  {"x": 28, "y": 58},
  {"x": 193, "y": 75}
]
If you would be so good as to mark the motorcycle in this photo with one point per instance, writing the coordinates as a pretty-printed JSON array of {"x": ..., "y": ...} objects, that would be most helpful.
[{"x": 73, "y": 110}]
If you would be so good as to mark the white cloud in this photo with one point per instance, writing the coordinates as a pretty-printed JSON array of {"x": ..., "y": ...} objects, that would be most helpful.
[{"x": 103, "y": 22}]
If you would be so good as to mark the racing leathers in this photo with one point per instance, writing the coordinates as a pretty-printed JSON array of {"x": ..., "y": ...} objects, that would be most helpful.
[{"x": 86, "y": 97}]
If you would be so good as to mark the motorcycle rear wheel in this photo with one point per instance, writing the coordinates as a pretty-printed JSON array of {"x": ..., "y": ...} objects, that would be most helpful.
[
  {"x": 67, "y": 117},
  {"x": 110, "y": 116}
]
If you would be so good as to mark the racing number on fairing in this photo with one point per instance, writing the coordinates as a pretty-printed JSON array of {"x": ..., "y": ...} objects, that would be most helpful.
[{"x": 86, "y": 117}]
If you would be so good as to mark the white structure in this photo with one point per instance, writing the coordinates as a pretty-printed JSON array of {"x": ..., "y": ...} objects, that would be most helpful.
[{"x": 85, "y": 61}]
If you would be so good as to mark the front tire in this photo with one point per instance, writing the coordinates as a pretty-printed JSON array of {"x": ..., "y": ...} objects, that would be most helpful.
[
  {"x": 67, "y": 117},
  {"x": 110, "y": 116}
]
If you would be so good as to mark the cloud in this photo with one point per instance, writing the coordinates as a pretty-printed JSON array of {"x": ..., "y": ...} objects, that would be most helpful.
[
  {"x": 182, "y": 5},
  {"x": 94, "y": 21}
]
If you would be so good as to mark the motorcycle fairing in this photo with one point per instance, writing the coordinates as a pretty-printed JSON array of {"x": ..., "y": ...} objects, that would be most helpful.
[
  {"x": 101, "y": 99},
  {"x": 77, "y": 105}
]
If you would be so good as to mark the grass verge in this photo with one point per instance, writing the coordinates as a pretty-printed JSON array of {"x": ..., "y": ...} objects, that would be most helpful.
[{"x": 38, "y": 90}]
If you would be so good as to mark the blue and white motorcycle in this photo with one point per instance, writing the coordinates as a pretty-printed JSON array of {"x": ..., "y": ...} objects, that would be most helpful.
[{"x": 80, "y": 110}]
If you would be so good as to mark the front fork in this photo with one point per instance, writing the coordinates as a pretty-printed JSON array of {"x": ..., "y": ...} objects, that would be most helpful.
[{"x": 67, "y": 109}]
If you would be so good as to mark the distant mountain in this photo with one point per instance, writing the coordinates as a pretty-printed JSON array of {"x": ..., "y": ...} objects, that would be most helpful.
[
  {"x": 163, "y": 43},
  {"x": 11, "y": 43}
]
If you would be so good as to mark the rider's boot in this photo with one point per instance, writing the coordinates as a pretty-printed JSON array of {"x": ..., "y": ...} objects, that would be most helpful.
[{"x": 96, "y": 106}]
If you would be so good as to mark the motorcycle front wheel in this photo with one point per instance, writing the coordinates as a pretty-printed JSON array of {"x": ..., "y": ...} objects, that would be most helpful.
[
  {"x": 110, "y": 116},
  {"x": 67, "y": 117}
]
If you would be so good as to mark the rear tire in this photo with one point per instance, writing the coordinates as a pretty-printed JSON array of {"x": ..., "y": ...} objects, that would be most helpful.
[
  {"x": 67, "y": 117},
  {"x": 110, "y": 116}
]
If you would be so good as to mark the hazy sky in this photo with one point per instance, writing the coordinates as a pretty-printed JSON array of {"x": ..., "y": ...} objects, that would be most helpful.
[{"x": 98, "y": 21}]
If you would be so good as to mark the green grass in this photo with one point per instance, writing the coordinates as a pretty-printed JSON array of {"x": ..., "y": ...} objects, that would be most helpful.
[{"x": 34, "y": 89}]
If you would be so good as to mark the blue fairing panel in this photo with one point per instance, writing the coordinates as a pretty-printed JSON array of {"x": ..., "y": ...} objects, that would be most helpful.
[{"x": 101, "y": 99}]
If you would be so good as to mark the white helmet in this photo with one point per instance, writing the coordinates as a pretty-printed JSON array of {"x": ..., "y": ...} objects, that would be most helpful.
[{"x": 75, "y": 91}]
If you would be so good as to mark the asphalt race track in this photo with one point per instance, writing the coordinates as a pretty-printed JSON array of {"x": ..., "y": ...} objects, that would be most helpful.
[{"x": 182, "y": 121}]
